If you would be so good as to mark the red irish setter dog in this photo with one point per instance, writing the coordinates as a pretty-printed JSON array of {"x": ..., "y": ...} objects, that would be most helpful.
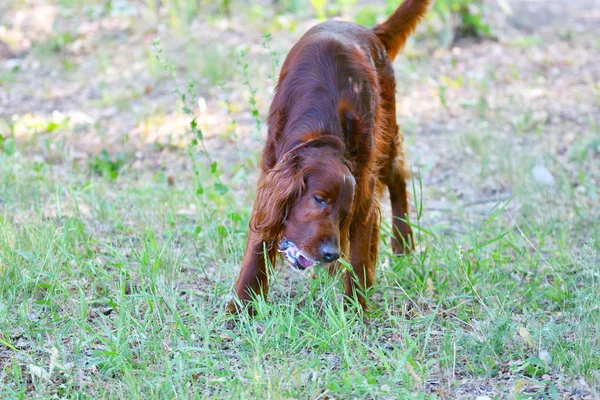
[{"x": 333, "y": 144}]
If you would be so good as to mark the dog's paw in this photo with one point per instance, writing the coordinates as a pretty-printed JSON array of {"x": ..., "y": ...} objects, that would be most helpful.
[{"x": 233, "y": 307}]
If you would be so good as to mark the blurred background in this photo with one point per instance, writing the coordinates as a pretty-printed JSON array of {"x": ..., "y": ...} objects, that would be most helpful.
[{"x": 489, "y": 92}]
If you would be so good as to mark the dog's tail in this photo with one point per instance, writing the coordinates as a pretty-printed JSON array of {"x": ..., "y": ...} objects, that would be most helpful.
[{"x": 399, "y": 26}]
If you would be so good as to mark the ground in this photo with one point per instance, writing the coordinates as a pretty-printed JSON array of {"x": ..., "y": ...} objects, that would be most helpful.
[{"x": 121, "y": 233}]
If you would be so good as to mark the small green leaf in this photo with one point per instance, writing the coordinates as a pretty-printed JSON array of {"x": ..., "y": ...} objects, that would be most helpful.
[
  {"x": 220, "y": 188},
  {"x": 9, "y": 146},
  {"x": 234, "y": 217},
  {"x": 222, "y": 231},
  {"x": 51, "y": 127}
]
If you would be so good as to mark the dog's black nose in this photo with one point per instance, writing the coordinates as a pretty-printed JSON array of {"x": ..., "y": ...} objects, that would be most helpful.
[{"x": 330, "y": 253}]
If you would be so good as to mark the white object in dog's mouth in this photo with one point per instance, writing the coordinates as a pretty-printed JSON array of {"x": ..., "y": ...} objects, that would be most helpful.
[{"x": 294, "y": 256}]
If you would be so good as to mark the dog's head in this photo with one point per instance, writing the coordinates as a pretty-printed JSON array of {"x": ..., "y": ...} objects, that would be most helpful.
[{"x": 304, "y": 202}]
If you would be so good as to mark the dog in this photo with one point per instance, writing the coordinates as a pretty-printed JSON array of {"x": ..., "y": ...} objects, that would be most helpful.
[{"x": 333, "y": 145}]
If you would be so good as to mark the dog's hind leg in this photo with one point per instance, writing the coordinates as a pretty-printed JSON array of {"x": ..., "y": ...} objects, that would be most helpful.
[{"x": 402, "y": 240}]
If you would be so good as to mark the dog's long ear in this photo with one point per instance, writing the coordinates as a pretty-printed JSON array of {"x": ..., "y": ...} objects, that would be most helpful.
[
  {"x": 358, "y": 133},
  {"x": 357, "y": 136},
  {"x": 276, "y": 122},
  {"x": 277, "y": 190}
]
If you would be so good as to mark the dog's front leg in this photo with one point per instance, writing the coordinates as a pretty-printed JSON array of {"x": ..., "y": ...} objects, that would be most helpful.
[
  {"x": 362, "y": 275},
  {"x": 253, "y": 278}
]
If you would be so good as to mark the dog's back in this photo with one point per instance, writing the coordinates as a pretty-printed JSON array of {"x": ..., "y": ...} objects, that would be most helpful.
[{"x": 338, "y": 65}]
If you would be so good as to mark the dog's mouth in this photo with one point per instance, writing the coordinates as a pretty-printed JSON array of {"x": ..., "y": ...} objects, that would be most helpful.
[{"x": 294, "y": 256}]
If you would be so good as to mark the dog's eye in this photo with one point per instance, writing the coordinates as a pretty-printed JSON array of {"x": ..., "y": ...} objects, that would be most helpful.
[{"x": 320, "y": 201}]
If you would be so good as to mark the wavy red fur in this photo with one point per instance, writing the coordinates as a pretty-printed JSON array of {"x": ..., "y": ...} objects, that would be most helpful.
[{"x": 333, "y": 145}]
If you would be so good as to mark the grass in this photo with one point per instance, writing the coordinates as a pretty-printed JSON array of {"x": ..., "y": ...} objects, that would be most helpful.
[{"x": 115, "y": 288}]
